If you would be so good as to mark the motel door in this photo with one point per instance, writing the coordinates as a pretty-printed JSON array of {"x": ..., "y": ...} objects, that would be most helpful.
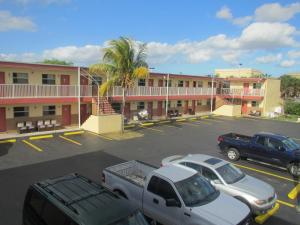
[
  {"x": 65, "y": 80},
  {"x": 246, "y": 88},
  {"x": 160, "y": 83},
  {"x": 193, "y": 106},
  {"x": 150, "y": 82},
  {"x": 83, "y": 113},
  {"x": 187, "y": 83},
  {"x": 2, "y": 120},
  {"x": 244, "y": 107},
  {"x": 66, "y": 115},
  {"x": 159, "y": 108},
  {"x": 150, "y": 109},
  {"x": 84, "y": 83},
  {"x": 2, "y": 81}
]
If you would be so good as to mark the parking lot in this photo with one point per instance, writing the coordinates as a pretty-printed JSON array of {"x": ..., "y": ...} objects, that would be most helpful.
[{"x": 32, "y": 159}]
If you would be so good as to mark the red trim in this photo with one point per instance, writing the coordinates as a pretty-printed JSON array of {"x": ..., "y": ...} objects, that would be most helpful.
[
  {"x": 37, "y": 100},
  {"x": 242, "y": 97},
  {"x": 249, "y": 79},
  {"x": 161, "y": 98},
  {"x": 184, "y": 76}
]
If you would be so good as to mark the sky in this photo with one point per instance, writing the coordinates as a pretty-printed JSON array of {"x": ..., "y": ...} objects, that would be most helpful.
[{"x": 187, "y": 36}]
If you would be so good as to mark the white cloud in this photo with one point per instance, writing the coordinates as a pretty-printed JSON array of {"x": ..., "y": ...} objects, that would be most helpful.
[
  {"x": 224, "y": 13},
  {"x": 274, "y": 12},
  {"x": 293, "y": 54},
  {"x": 242, "y": 21},
  {"x": 269, "y": 58},
  {"x": 10, "y": 22},
  {"x": 287, "y": 63}
]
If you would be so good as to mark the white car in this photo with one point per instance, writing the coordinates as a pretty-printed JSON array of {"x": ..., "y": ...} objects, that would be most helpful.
[{"x": 257, "y": 194}]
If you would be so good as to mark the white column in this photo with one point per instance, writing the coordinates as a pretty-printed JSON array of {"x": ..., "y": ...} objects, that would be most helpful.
[{"x": 79, "y": 111}]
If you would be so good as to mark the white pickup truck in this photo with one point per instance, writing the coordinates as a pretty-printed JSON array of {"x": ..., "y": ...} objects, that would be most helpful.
[{"x": 174, "y": 195}]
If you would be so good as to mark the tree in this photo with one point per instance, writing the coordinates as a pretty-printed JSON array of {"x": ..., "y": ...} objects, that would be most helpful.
[
  {"x": 57, "y": 62},
  {"x": 123, "y": 62},
  {"x": 290, "y": 86}
]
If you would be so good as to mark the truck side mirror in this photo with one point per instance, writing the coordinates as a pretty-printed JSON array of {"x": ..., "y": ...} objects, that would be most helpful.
[{"x": 171, "y": 202}]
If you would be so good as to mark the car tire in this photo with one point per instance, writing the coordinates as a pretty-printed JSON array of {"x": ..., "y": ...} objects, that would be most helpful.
[
  {"x": 233, "y": 154},
  {"x": 294, "y": 169}
]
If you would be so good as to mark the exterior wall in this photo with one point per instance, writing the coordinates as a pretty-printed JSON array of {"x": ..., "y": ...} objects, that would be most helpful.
[
  {"x": 229, "y": 110},
  {"x": 103, "y": 124},
  {"x": 272, "y": 97},
  {"x": 238, "y": 72}
]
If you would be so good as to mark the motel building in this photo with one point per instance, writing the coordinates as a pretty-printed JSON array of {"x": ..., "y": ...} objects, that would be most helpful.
[{"x": 53, "y": 96}]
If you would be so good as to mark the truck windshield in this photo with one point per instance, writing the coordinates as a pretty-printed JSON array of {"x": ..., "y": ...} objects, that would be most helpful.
[
  {"x": 135, "y": 219},
  {"x": 196, "y": 191},
  {"x": 291, "y": 144},
  {"x": 230, "y": 173}
]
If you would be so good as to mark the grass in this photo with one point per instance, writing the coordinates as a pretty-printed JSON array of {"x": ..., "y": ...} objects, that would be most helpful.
[{"x": 288, "y": 117}]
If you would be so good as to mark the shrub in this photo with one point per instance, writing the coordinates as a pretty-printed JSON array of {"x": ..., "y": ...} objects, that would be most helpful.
[{"x": 291, "y": 107}]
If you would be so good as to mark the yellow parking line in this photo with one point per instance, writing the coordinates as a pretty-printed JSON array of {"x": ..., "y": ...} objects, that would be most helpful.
[
  {"x": 294, "y": 192},
  {"x": 189, "y": 124},
  {"x": 286, "y": 204},
  {"x": 262, "y": 218},
  {"x": 99, "y": 135},
  {"x": 41, "y": 137},
  {"x": 172, "y": 126},
  {"x": 129, "y": 126},
  {"x": 180, "y": 120},
  {"x": 204, "y": 117},
  {"x": 70, "y": 140},
  {"x": 149, "y": 128},
  {"x": 73, "y": 133},
  {"x": 146, "y": 124},
  {"x": 8, "y": 141},
  {"x": 193, "y": 119},
  {"x": 32, "y": 146},
  {"x": 166, "y": 121},
  {"x": 201, "y": 121},
  {"x": 267, "y": 173}
]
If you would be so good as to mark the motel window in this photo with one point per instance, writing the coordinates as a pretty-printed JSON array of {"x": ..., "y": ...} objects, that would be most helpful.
[
  {"x": 97, "y": 80},
  {"x": 254, "y": 104},
  {"x": 179, "y": 103},
  {"x": 208, "y": 102},
  {"x": 199, "y": 102},
  {"x": 21, "y": 112},
  {"x": 209, "y": 84},
  {"x": 170, "y": 83},
  {"x": 140, "y": 105},
  {"x": 180, "y": 83},
  {"x": 20, "y": 78},
  {"x": 200, "y": 84},
  {"x": 169, "y": 104},
  {"x": 226, "y": 84},
  {"x": 256, "y": 85},
  {"x": 49, "y": 110},
  {"x": 48, "y": 79},
  {"x": 142, "y": 82},
  {"x": 116, "y": 106}
]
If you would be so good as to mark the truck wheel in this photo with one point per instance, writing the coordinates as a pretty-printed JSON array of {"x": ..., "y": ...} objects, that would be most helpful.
[
  {"x": 233, "y": 154},
  {"x": 294, "y": 169}
]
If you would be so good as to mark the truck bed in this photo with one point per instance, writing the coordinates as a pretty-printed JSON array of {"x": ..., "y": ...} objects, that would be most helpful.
[
  {"x": 238, "y": 137},
  {"x": 134, "y": 171}
]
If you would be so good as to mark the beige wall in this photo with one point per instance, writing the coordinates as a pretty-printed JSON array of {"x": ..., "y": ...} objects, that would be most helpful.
[
  {"x": 228, "y": 110},
  {"x": 103, "y": 124},
  {"x": 272, "y": 97},
  {"x": 237, "y": 72}
]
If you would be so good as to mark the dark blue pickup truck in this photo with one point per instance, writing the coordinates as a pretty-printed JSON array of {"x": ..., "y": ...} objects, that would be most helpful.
[{"x": 266, "y": 147}]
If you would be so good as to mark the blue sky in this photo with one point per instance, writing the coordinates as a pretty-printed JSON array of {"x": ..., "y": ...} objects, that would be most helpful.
[{"x": 191, "y": 36}]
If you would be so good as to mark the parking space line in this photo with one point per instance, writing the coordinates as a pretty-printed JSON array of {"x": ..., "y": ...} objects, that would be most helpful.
[
  {"x": 41, "y": 137},
  {"x": 32, "y": 146},
  {"x": 8, "y": 141},
  {"x": 190, "y": 124},
  {"x": 294, "y": 192},
  {"x": 149, "y": 128},
  {"x": 286, "y": 203},
  {"x": 166, "y": 121},
  {"x": 180, "y": 120},
  {"x": 73, "y": 133},
  {"x": 146, "y": 124},
  {"x": 99, "y": 135},
  {"x": 70, "y": 140},
  {"x": 172, "y": 126},
  {"x": 267, "y": 173},
  {"x": 204, "y": 122},
  {"x": 262, "y": 218}
]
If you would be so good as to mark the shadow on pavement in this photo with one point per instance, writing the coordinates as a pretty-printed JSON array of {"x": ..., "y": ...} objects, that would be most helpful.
[{"x": 4, "y": 148}]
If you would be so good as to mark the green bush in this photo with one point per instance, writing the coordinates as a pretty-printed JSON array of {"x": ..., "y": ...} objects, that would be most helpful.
[{"x": 291, "y": 107}]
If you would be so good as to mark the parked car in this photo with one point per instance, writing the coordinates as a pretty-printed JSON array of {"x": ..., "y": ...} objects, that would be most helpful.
[
  {"x": 174, "y": 195},
  {"x": 76, "y": 200},
  {"x": 267, "y": 147},
  {"x": 224, "y": 176}
]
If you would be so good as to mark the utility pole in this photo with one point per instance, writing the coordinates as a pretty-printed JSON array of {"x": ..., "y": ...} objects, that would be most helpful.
[{"x": 167, "y": 95}]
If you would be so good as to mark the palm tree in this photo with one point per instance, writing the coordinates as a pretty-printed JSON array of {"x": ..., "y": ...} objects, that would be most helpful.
[{"x": 123, "y": 62}]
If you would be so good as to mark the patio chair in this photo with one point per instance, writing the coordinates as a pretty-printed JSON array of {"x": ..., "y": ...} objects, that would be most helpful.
[
  {"x": 55, "y": 124},
  {"x": 30, "y": 126},
  {"x": 40, "y": 125},
  {"x": 177, "y": 113},
  {"x": 48, "y": 124},
  {"x": 21, "y": 127}
]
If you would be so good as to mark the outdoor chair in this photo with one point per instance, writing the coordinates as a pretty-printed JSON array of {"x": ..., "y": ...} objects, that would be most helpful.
[
  {"x": 21, "y": 127},
  {"x": 177, "y": 113},
  {"x": 40, "y": 125},
  {"x": 55, "y": 124},
  {"x": 29, "y": 126},
  {"x": 48, "y": 124}
]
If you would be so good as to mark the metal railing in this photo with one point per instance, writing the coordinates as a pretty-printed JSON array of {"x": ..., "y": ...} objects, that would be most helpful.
[{"x": 57, "y": 91}]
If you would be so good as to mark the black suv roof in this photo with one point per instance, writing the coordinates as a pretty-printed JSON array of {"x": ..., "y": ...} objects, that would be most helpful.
[{"x": 84, "y": 200}]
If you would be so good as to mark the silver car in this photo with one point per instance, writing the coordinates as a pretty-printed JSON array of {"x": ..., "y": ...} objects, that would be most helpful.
[{"x": 258, "y": 195}]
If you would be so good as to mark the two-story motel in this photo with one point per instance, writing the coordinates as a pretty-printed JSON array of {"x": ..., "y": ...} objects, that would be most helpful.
[{"x": 32, "y": 92}]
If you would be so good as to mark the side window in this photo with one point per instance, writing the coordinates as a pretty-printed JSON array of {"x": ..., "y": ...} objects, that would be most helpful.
[
  {"x": 166, "y": 191},
  {"x": 52, "y": 215},
  {"x": 209, "y": 174},
  {"x": 275, "y": 144},
  {"x": 153, "y": 184},
  {"x": 193, "y": 166},
  {"x": 36, "y": 202},
  {"x": 261, "y": 140}
]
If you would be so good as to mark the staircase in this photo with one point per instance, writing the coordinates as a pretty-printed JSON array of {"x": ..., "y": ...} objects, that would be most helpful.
[
  {"x": 221, "y": 101},
  {"x": 224, "y": 107},
  {"x": 104, "y": 106}
]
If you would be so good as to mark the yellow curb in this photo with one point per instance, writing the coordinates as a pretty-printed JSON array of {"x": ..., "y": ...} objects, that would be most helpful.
[
  {"x": 294, "y": 192},
  {"x": 286, "y": 203},
  {"x": 41, "y": 137},
  {"x": 166, "y": 121},
  {"x": 73, "y": 133},
  {"x": 32, "y": 146},
  {"x": 129, "y": 126},
  {"x": 99, "y": 135},
  {"x": 193, "y": 119},
  {"x": 8, "y": 141},
  {"x": 262, "y": 218},
  {"x": 70, "y": 140},
  {"x": 204, "y": 117},
  {"x": 146, "y": 124},
  {"x": 267, "y": 173},
  {"x": 180, "y": 120}
]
